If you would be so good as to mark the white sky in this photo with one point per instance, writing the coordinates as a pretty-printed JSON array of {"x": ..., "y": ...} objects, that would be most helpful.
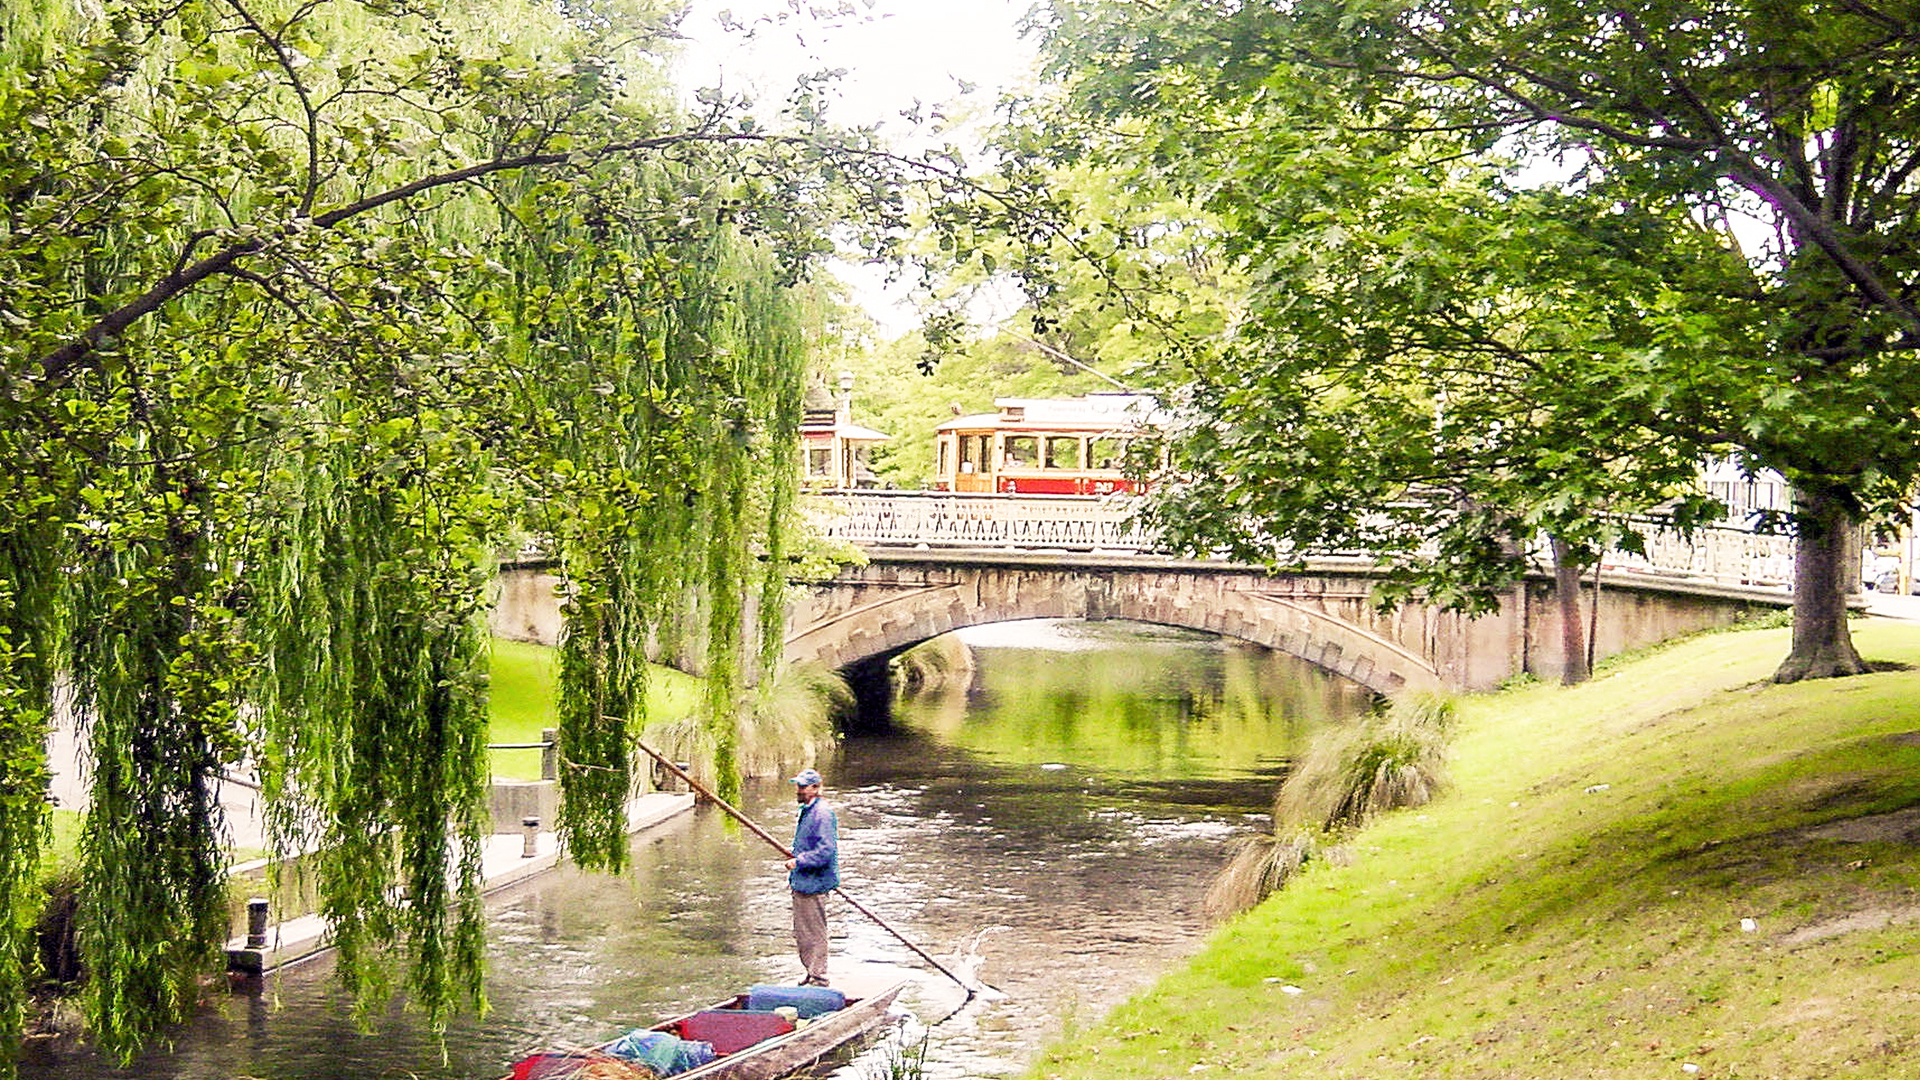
[{"x": 894, "y": 52}]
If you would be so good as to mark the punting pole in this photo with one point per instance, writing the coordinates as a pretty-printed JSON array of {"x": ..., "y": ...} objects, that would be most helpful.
[{"x": 783, "y": 849}]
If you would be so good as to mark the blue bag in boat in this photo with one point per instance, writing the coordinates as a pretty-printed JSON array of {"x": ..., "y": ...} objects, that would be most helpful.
[
  {"x": 808, "y": 1001},
  {"x": 663, "y": 1053}
]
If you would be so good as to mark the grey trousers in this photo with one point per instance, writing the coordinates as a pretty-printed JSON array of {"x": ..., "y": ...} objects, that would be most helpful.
[{"x": 810, "y": 933}]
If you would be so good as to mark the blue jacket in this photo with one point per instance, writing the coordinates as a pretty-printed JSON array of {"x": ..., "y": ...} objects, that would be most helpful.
[{"x": 816, "y": 849}]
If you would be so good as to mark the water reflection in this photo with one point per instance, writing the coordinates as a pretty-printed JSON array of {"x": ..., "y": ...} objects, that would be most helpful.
[
  {"x": 1075, "y": 796},
  {"x": 1064, "y": 808}
]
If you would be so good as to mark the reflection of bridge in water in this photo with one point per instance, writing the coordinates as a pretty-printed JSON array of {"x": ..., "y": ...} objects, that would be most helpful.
[{"x": 940, "y": 562}]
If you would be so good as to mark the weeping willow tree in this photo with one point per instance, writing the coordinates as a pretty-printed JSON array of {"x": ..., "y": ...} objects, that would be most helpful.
[
  {"x": 30, "y": 609},
  {"x": 309, "y": 306},
  {"x": 690, "y": 372}
]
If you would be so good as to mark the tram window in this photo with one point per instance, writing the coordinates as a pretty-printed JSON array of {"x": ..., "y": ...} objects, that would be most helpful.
[
  {"x": 1020, "y": 450},
  {"x": 973, "y": 453},
  {"x": 819, "y": 462},
  {"x": 940, "y": 459},
  {"x": 1108, "y": 453},
  {"x": 1063, "y": 452}
]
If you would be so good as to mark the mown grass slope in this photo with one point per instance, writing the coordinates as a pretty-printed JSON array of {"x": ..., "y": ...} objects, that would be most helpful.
[
  {"x": 522, "y": 701},
  {"x": 1574, "y": 906}
]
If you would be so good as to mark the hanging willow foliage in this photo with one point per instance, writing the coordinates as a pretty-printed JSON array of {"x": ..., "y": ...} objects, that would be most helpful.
[
  {"x": 155, "y": 660},
  {"x": 252, "y": 524},
  {"x": 654, "y": 450},
  {"x": 30, "y": 608}
]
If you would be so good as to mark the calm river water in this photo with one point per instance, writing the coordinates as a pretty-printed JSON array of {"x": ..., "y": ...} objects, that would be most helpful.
[{"x": 1059, "y": 818}]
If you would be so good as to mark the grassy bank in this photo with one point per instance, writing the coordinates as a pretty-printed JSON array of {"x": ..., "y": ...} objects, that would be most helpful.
[
  {"x": 522, "y": 701},
  {"x": 1574, "y": 906},
  {"x": 790, "y": 724}
]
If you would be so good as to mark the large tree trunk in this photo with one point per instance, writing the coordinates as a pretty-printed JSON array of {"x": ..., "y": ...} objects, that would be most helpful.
[
  {"x": 1566, "y": 590},
  {"x": 1824, "y": 565}
]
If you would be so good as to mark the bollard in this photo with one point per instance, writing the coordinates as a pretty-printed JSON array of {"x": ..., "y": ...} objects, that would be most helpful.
[
  {"x": 257, "y": 922},
  {"x": 530, "y": 835},
  {"x": 550, "y": 754}
]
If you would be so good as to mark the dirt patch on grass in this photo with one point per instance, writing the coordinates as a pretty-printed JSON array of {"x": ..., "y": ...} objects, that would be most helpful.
[
  {"x": 1878, "y": 918},
  {"x": 1898, "y": 827}
]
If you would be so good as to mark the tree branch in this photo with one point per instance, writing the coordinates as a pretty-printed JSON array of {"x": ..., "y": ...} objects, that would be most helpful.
[
  {"x": 260, "y": 282},
  {"x": 1820, "y": 232},
  {"x": 283, "y": 57},
  {"x": 60, "y": 364}
]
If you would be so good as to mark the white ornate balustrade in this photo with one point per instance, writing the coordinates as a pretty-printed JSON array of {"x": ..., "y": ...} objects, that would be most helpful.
[
  {"x": 1722, "y": 556},
  {"x": 940, "y": 519}
]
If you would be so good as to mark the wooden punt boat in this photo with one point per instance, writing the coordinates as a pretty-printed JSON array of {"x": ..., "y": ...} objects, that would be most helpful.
[{"x": 764, "y": 1059}]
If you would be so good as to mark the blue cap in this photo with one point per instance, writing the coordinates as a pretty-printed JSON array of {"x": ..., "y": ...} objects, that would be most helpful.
[{"x": 807, "y": 777}]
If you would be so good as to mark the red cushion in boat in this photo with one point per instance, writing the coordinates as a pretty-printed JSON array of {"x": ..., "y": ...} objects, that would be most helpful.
[
  {"x": 578, "y": 1065},
  {"x": 730, "y": 1030}
]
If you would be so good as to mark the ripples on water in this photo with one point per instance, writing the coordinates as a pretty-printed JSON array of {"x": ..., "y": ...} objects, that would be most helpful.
[{"x": 1060, "y": 816}]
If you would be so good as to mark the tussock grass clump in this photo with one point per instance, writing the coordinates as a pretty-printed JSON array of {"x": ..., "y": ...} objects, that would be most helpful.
[
  {"x": 930, "y": 665},
  {"x": 790, "y": 717},
  {"x": 791, "y": 723},
  {"x": 1259, "y": 866},
  {"x": 1392, "y": 758}
]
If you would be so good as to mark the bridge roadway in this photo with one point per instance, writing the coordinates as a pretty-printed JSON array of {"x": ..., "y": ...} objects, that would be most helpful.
[{"x": 940, "y": 562}]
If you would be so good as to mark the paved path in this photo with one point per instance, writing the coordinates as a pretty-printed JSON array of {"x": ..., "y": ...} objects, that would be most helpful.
[
  {"x": 503, "y": 862},
  {"x": 1893, "y": 606},
  {"x": 238, "y": 800}
]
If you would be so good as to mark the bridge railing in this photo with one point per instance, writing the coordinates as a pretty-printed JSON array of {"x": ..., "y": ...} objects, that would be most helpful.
[
  {"x": 1724, "y": 556},
  {"x": 945, "y": 519},
  {"x": 1103, "y": 523}
]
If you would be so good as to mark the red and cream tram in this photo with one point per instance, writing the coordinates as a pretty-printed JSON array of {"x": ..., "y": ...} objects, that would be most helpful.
[{"x": 1042, "y": 446}]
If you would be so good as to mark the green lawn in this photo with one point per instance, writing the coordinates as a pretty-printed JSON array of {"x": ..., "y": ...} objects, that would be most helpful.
[
  {"x": 522, "y": 704},
  {"x": 65, "y": 847},
  {"x": 1574, "y": 907},
  {"x": 522, "y": 693}
]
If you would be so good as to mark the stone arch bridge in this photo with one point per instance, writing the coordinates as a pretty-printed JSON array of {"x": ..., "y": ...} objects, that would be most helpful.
[
  {"x": 1321, "y": 614},
  {"x": 939, "y": 562}
]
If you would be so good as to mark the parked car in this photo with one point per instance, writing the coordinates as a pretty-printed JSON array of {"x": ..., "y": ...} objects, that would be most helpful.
[{"x": 1880, "y": 573}]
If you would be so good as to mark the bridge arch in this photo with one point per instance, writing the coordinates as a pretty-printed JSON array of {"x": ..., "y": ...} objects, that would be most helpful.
[{"x": 880, "y": 610}]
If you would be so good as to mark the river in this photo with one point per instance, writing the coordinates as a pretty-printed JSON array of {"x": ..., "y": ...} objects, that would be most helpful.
[{"x": 1057, "y": 820}]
